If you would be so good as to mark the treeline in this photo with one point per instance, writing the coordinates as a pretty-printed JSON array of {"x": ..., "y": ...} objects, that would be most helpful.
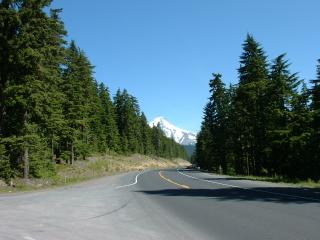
[
  {"x": 267, "y": 125},
  {"x": 51, "y": 107}
]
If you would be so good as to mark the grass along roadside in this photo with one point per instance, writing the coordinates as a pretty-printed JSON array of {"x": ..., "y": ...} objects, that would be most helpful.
[
  {"x": 94, "y": 167},
  {"x": 278, "y": 179},
  {"x": 294, "y": 182}
]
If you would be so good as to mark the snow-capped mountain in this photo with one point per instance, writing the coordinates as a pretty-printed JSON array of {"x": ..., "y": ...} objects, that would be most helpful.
[{"x": 181, "y": 136}]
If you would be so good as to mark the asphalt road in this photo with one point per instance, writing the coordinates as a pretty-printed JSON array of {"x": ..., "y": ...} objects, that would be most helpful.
[{"x": 166, "y": 204}]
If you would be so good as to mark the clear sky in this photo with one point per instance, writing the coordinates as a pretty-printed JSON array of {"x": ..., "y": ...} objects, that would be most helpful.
[{"x": 164, "y": 51}]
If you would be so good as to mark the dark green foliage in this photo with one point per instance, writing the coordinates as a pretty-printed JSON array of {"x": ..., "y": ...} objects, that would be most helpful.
[
  {"x": 214, "y": 126},
  {"x": 165, "y": 147},
  {"x": 127, "y": 113},
  {"x": 146, "y": 143},
  {"x": 190, "y": 149},
  {"x": 135, "y": 134},
  {"x": 250, "y": 99},
  {"x": 51, "y": 107},
  {"x": 110, "y": 135},
  {"x": 81, "y": 104},
  {"x": 314, "y": 163},
  {"x": 32, "y": 75},
  {"x": 5, "y": 168},
  {"x": 265, "y": 125},
  {"x": 282, "y": 94}
]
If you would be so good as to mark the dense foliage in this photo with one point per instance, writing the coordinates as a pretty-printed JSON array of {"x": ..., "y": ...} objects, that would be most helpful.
[
  {"x": 267, "y": 124},
  {"x": 51, "y": 107}
]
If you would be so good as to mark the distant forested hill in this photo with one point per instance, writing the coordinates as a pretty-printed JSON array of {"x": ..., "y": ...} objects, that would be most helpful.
[{"x": 190, "y": 149}]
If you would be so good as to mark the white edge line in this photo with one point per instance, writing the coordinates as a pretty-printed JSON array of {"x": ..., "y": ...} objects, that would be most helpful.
[
  {"x": 249, "y": 189},
  {"x": 131, "y": 184}
]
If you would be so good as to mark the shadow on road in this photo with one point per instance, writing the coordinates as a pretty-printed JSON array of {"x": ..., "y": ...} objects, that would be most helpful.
[{"x": 263, "y": 194}]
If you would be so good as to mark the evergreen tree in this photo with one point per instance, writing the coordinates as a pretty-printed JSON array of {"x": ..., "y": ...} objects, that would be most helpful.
[
  {"x": 108, "y": 121},
  {"x": 9, "y": 28},
  {"x": 80, "y": 106},
  {"x": 298, "y": 164},
  {"x": 128, "y": 112},
  {"x": 315, "y": 90},
  {"x": 213, "y": 135},
  {"x": 265, "y": 125},
  {"x": 156, "y": 139},
  {"x": 51, "y": 107},
  {"x": 282, "y": 89},
  {"x": 31, "y": 81},
  {"x": 145, "y": 135},
  {"x": 315, "y": 125},
  {"x": 204, "y": 147},
  {"x": 5, "y": 168},
  {"x": 220, "y": 110},
  {"x": 250, "y": 107}
]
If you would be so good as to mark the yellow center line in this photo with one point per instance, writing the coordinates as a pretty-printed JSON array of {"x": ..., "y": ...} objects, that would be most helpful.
[{"x": 173, "y": 182}]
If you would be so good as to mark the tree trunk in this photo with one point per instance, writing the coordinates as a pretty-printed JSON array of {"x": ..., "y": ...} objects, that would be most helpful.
[
  {"x": 2, "y": 114},
  {"x": 3, "y": 77},
  {"x": 25, "y": 156},
  {"x": 247, "y": 164},
  {"x": 72, "y": 154},
  {"x": 52, "y": 149},
  {"x": 25, "y": 159}
]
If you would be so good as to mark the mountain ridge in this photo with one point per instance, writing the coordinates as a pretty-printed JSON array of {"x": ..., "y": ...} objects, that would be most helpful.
[{"x": 179, "y": 135}]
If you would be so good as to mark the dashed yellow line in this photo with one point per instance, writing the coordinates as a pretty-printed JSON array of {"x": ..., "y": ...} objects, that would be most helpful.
[{"x": 173, "y": 182}]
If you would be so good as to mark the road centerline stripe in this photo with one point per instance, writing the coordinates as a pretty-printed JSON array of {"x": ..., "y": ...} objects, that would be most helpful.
[{"x": 173, "y": 182}]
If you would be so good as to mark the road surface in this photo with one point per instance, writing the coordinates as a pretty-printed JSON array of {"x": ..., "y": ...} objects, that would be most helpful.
[{"x": 163, "y": 204}]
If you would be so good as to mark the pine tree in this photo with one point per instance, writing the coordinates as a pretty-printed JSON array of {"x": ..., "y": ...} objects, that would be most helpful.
[
  {"x": 315, "y": 125},
  {"x": 298, "y": 161},
  {"x": 212, "y": 139},
  {"x": 51, "y": 107},
  {"x": 220, "y": 104},
  {"x": 30, "y": 95},
  {"x": 282, "y": 89},
  {"x": 9, "y": 27},
  {"x": 315, "y": 98},
  {"x": 127, "y": 114},
  {"x": 250, "y": 107},
  {"x": 5, "y": 168},
  {"x": 204, "y": 147},
  {"x": 267, "y": 124},
  {"x": 133, "y": 124},
  {"x": 145, "y": 135},
  {"x": 108, "y": 120},
  {"x": 156, "y": 139},
  {"x": 81, "y": 103}
]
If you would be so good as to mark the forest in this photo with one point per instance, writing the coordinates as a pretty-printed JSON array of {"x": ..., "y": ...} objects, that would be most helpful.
[
  {"x": 52, "y": 109},
  {"x": 268, "y": 124}
]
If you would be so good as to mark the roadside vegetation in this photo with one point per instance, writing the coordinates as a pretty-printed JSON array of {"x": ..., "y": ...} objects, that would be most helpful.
[
  {"x": 267, "y": 125},
  {"x": 93, "y": 167},
  {"x": 308, "y": 183},
  {"x": 52, "y": 110}
]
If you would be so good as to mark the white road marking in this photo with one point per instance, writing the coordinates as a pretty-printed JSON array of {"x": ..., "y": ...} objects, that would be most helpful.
[
  {"x": 131, "y": 184},
  {"x": 28, "y": 238},
  {"x": 249, "y": 189}
]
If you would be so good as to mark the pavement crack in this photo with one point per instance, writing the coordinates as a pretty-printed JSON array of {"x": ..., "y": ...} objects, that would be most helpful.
[{"x": 110, "y": 212}]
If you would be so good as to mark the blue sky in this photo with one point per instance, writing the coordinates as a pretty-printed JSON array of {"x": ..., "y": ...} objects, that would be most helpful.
[{"x": 164, "y": 51}]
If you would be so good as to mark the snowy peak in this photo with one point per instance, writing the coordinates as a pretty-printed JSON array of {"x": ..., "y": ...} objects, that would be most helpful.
[{"x": 181, "y": 136}]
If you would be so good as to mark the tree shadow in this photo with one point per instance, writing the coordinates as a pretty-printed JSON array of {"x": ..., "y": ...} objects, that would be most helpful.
[{"x": 258, "y": 194}]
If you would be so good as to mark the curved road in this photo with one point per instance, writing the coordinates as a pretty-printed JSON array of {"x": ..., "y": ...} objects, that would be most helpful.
[{"x": 163, "y": 204}]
